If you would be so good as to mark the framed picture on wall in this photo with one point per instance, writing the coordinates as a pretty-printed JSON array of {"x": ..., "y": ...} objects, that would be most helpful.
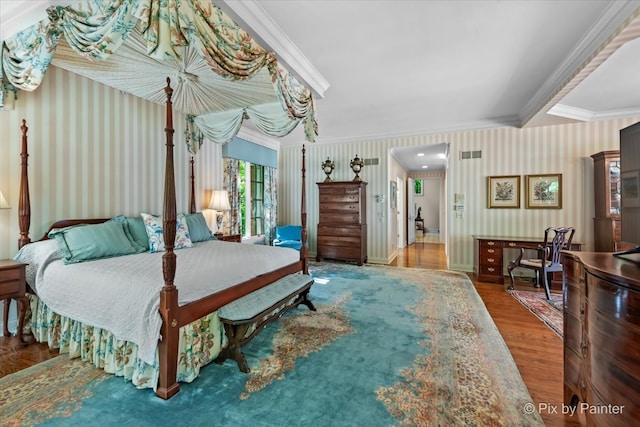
[
  {"x": 393, "y": 194},
  {"x": 503, "y": 191},
  {"x": 544, "y": 191},
  {"x": 419, "y": 187}
]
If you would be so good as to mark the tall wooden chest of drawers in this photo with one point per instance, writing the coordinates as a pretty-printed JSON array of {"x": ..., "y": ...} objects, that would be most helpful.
[
  {"x": 342, "y": 225},
  {"x": 602, "y": 338}
]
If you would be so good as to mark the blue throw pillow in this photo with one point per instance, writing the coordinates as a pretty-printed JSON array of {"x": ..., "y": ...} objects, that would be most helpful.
[
  {"x": 86, "y": 242},
  {"x": 121, "y": 219},
  {"x": 198, "y": 228}
]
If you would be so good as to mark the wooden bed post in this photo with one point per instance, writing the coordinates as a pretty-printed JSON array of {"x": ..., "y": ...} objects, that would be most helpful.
[
  {"x": 304, "y": 250},
  {"x": 168, "y": 345},
  {"x": 24, "y": 203},
  {"x": 192, "y": 188}
]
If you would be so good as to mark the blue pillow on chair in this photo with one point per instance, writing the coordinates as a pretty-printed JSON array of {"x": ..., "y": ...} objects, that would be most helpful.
[{"x": 289, "y": 236}]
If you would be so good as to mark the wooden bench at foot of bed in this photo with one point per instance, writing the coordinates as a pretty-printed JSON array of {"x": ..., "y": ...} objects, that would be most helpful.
[{"x": 260, "y": 308}]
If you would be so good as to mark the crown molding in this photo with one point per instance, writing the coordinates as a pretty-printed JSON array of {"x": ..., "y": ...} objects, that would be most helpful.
[
  {"x": 584, "y": 115},
  {"x": 617, "y": 17},
  {"x": 252, "y": 17},
  {"x": 507, "y": 121},
  {"x": 259, "y": 138}
]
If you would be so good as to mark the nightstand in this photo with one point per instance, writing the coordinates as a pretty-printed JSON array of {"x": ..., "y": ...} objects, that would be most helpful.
[
  {"x": 230, "y": 238},
  {"x": 13, "y": 286}
]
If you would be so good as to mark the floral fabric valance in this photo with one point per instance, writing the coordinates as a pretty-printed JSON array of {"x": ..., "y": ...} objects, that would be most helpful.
[{"x": 125, "y": 43}]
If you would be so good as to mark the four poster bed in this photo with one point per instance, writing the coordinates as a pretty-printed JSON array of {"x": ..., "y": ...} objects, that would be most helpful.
[{"x": 162, "y": 336}]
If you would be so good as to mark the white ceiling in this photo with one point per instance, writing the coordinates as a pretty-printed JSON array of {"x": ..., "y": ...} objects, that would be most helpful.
[{"x": 385, "y": 68}]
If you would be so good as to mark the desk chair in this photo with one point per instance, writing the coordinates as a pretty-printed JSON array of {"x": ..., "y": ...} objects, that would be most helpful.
[{"x": 549, "y": 257}]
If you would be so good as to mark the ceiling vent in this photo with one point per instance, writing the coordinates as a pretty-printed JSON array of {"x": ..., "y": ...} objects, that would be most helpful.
[
  {"x": 371, "y": 162},
  {"x": 464, "y": 155}
]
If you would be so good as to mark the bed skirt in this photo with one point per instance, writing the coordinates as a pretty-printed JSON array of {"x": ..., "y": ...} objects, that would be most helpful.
[{"x": 200, "y": 343}]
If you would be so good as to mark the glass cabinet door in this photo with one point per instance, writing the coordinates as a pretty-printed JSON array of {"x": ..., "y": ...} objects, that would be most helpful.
[{"x": 614, "y": 187}]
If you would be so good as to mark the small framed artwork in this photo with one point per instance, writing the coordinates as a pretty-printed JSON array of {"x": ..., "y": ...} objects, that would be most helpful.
[
  {"x": 544, "y": 191},
  {"x": 503, "y": 191},
  {"x": 419, "y": 187},
  {"x": 630, "y": 183},
  {"x": 393, "y": 194}
]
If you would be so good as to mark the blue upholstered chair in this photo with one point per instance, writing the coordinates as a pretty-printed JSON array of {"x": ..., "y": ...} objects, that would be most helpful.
[{"x": 288, "y": 236}]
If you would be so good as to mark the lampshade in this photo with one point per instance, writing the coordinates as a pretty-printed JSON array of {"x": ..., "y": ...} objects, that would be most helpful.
[
  {"x": 3, "y": 202},
  {"x": 220, "y": 200}
]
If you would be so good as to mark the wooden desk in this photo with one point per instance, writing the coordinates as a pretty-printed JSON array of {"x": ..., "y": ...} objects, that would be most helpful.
[{"x": 489, "y": 261}]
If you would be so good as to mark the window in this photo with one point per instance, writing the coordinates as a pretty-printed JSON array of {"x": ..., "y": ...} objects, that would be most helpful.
[{"x": 251, "y": 199}]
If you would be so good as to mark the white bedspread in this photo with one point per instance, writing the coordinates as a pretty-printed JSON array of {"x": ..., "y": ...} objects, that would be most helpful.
[{"x": 122, "y": 294}]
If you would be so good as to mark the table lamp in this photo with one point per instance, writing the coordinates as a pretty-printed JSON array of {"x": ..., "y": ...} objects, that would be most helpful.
[{"x": 219, "y": 203}]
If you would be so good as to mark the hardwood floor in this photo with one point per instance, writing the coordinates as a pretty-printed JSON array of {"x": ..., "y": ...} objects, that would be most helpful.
[{"x": 536, "y": 350}]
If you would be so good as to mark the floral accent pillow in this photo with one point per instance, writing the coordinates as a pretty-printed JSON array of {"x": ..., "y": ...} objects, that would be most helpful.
[{"x": 153, "y": 225}]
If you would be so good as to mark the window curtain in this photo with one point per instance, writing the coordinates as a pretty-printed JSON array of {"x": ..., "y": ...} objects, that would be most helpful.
[
  {"x": 270, "y": 203},
  {"x": 97, "y": 28},
  {"x": 230, "y": 183}
]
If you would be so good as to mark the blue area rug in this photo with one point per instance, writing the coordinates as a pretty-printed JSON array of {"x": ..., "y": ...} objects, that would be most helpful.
[{"x": 387, "y": 346}]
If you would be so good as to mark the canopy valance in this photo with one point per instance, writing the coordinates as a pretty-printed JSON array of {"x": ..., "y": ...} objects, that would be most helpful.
[{"x": 220, "y": 74}]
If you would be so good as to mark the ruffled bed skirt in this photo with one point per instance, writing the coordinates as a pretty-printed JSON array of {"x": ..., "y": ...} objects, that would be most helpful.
[{"x": 200, "y": 343}]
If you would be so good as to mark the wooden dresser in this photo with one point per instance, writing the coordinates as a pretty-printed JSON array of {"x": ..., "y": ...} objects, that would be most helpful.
[
  {"x": 342, "y": 225},
  {"x": 602, "y": 338}
]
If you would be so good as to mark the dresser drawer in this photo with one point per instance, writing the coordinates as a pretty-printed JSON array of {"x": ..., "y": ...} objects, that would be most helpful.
[
  {"x": 338, "y": 231},
  {"x": 10, "y": 275},
  {"x": 490, "y": 260},
  {"x": 622, "y": 392},
  {"x": 491, "y": 270},
  {"x": 490, "y": 244},
  {"x": 340, "y": 252},
  {"x": 336, "y": 190},
  {"x": 490, "y": 252},
  {"x": 614, "y": 301},
  {"x": 610, "y": 337},
  {"x": 350, "y": 241},
  {"x": 339, "y": 208},
  {"x": 339, "y": 218},
  {"x": 338, "y": 198},
  {"x": 11, "y": 287}
]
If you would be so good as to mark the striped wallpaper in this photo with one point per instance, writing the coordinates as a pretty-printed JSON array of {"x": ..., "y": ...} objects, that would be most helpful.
[
  {"x": 564, "y": 149},
  {"x": 95, "y": 151}
]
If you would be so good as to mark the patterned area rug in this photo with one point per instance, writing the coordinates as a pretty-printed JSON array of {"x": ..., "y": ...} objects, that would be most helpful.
[
  {"x": 55, "y": 387},
  {"x": 387, "y": 347},
  {"x": 550, "y": 312}
]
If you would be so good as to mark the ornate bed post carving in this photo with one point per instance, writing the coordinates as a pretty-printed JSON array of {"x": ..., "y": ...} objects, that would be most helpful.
[
  {"x": 24, "y": 203},
  {"x": 304, "y": 250},
  {"x": 192, "y": 188},
  {"x": 168, "y": 346}
]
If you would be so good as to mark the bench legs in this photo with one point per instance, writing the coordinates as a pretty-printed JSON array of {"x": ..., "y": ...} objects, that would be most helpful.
[
  {"x": 304, "y": 299},
  {"x": 235, "y": 334}
]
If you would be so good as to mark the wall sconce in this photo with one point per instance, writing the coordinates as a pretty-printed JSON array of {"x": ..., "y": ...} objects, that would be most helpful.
[
  {"x": 219, "y": 203},
  {"x": 356, "y": 166},
  {"x": 3, "y": 202},
  {"x": 328, "y": 167}
]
